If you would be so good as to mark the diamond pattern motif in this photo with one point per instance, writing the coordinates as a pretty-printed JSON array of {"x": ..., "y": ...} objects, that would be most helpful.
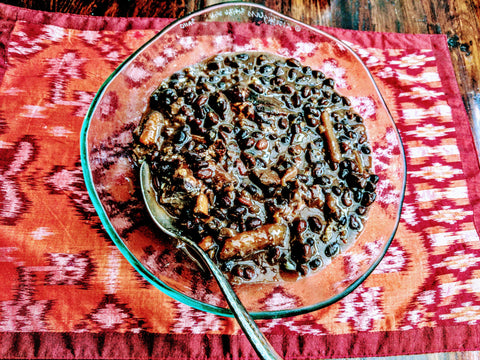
[{"x": 61, "y": 273}]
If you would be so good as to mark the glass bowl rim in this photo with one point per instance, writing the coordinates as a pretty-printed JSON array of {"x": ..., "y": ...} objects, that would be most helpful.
[{"x": 137, "y": 265}]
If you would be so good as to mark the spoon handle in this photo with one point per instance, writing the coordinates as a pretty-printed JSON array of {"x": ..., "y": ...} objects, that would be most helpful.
[{"x": 258, "y": 340}]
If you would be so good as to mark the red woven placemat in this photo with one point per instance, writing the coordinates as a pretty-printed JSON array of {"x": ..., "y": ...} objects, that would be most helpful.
[{"x": 66, "y": 291}]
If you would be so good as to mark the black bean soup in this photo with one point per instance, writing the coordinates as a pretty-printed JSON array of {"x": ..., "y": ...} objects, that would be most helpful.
[{"x": 260, "y": 161}]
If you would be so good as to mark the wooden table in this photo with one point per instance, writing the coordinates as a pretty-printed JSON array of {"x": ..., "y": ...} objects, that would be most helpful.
[{"x": 458, "y": 19}]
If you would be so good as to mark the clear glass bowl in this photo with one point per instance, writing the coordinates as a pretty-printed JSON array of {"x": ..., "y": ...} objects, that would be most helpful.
[{"x": 112, "y": 180}]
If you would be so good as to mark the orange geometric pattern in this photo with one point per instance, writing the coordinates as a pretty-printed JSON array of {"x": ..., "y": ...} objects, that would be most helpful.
[{"x": 62, "y": 274}]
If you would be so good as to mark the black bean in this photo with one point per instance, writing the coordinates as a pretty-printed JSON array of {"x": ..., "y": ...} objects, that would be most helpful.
[
  {"x": 201, "y": 80},
  {"x": 345, "y": 164},
  {"x": 368, "y": 198},
  {"x": 329, "y": 82},
  {"x": 248, "y": 71},
  {"x": 248, "y": 272},
  {"x": 366, "y": 150},
  {"x": 307, "y": 252},
  {"x": 296, "y": 100},
  {"x": 270, "y": 191},
  {"x": 292, "y": 74},
  {"x": 293, "y": 63},
  {"x": 370, "y": 187},
  {"x": 315, "y": 263},
  {"x": 241, "y": 133},
  {"x": 302, "y": 252},
  {"x": 315, "y": 224},
  {"x": 211, "y": 136},
  {"x": 324, "y": 102},
  {"x": 344, "y": 146},
  {"x": 312, "y": 120},
  {"x": 239, "y": 211},
  {"x": 257, "y": 135},
  {"x": 266, "y": 69},
  {"x": 299, "y": 226},
  {"x": 352, "y": 134},
  {"x": 261, "y": 59},
  {"x": 162, "y": 98},
  {"x": 342, "y": 221},
  {"x": 324, "y": 180},
  {"x": 182, "y": 135},
  {"x": 332, "y": 249},
  {"x": 262, "y": 144},
  {"x": 307, "y": 70},
  {"x": 295, "y": 150},
  {"x": 225, "y": 201},
  {"x": 248, "y": 143},
  {"x": 347, "y": 198},
  {"x": 264, "y": 80},
  {"x": 218, "y": 103},
  {"x": 273, "y": 254},
  {"x": 283, "y": 123},
  {"x": 188, "y": 96},
  {"x": 357, "y": 195},
  {"x": 336, "y": 190},
  {"x": 278, "y": 81},
  {"x": 304, "y": 178},
  {"x": 343, "y": 173},
  {"x": 306, "y": 91},
  {"x": 237, "y": 93},
  {"x": 356, "y": 181},
  {"x": 242, "y": 57},
  {"x": 336, "y": 98},
  {"x": 213, "y": 65},
  {"x": 303, "y": 269},
  {"x": 257, "y": 88},
  {"x": 253, "y": 189},
  {"x": 187, "y": 110},
  {"x": 237, "y": 270},
  {"x": 287, "y": 89},
  {"x": 355, "y": 224},
  {"x": 230, "y": 62},
  {"x": 296, "y": 129},
  {"x": 212, "y": 118},
  {"x": 225, "y": 128},
  {"x": 318, "y": 74},
  {"x": 373, "y": 178},
  {"x": 253, "y": 223},
  {"x": 201, "y": 100},
  {"x": 214, "y": 79}
]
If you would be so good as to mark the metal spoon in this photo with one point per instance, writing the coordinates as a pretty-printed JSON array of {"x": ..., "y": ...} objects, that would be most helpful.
[{"x": 165, "y": 222}]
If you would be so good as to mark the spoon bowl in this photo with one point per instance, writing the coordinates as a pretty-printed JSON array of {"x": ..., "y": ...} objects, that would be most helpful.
[{"x": 165, "y": 222}]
